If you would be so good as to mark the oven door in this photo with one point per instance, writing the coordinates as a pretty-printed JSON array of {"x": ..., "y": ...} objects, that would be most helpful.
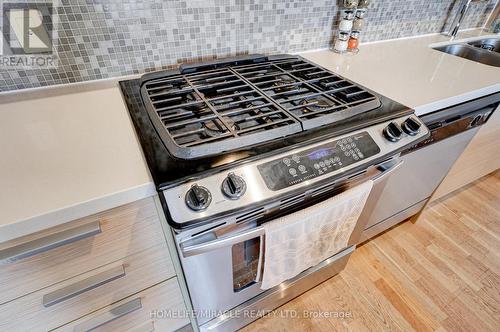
[{"x": 222, "y": 266}]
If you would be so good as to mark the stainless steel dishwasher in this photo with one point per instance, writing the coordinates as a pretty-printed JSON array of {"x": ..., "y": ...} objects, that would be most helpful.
[{"x": 427, "y": 163}]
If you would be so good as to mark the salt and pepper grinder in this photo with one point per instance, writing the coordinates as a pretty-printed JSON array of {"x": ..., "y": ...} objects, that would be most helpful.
[
  {"x": 350, "y": 26},
  {"x": 341, "y": 42},
  {"x": 359, "y": 21},
  {"x": 353, "y": 43}
]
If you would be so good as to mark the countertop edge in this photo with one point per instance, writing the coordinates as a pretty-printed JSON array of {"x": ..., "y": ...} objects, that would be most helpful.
[
  {"x": 70, "y": 213},
  {"x": 451, "y": 101}
]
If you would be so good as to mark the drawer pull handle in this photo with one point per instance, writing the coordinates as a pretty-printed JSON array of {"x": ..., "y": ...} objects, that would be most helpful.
[
  {"x": 109, "y": 316},
  {"x": 52, "y": 241},
  {"x": 83, "y": 286}
]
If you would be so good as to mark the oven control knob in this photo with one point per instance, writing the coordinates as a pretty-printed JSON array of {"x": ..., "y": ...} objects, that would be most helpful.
[
  {"x": 233, "y": 186},
  {"x": 393, "y": 132},
  {"x": 198, "y": 198},
  {"x": 411, "y": 126}
]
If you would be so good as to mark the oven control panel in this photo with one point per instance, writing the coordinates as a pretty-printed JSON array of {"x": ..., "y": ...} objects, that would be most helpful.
[
  {"x": 274, "y": 177},
  {"x": 309, "y": 164}
]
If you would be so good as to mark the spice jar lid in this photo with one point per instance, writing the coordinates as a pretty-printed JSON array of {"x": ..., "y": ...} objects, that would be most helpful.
[
  {"x": 343, "y": 35},
  {"x": 348, "y": 15},
  {"x": 360, "y": 13},
  {"x": 355, "y": 34}
]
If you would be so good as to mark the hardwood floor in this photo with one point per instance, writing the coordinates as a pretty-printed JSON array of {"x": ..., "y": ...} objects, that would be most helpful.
[{"x": 441, "y": 273}]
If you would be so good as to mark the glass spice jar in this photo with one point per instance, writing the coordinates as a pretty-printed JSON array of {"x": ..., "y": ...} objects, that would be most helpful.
[
  {"x": 345, "y": 25},
  {"x": 353, "y": 42},
  {"x": 358, "y": 23},
  {"x": 342, "y": 42},
  {"x": 351, "y": 3}
]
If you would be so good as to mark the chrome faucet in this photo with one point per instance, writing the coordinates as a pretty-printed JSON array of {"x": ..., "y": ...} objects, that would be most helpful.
[
  {"x": 459, "y": 17},
  {"x": 493, "y": 23}
]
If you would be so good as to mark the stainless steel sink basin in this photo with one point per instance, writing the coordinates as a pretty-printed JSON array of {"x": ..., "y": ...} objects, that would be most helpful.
[
  {"x": 473, "y": 52},
  {"x": 489, "y": 44}
]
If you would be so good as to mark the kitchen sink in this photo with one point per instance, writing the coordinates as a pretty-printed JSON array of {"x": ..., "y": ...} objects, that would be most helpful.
[
  {"x": 489, "y": 44},
  {"x": 485, "y": 51}
]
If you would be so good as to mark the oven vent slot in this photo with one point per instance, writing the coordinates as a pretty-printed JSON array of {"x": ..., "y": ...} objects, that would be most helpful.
[
  {"x": 208, "y": 229},
  {"x": 251, "y": 215},
  {"x": 285, "y": 203},
  {"x": 324, "y": 189}
]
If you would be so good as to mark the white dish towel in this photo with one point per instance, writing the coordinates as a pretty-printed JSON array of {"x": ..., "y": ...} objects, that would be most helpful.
[{"x": 305, "y": 238}]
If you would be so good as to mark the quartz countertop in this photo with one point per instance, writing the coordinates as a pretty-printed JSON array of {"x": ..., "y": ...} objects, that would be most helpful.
[
  {"x": 410, "y": 72},
  {"x": 67, "y": 152},
  {"x": 71, "y": 151}
]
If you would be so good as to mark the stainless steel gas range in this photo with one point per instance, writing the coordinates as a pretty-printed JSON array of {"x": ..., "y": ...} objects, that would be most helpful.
[{"x": 236, "y": 143}]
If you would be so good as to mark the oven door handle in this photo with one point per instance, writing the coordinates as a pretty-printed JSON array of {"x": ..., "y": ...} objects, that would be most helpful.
[
  {"x": 226, "y": 241},
  {"x": 222, "y": 242}
]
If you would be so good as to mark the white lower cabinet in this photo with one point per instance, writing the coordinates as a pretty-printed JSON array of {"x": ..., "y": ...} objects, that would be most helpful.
[
  {"x": 107, "y": 272},
  {"x": 159, "y": 308}
]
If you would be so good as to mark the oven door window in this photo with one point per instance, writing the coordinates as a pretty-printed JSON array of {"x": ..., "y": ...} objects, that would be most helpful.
[{"x": 246, "y": 263}]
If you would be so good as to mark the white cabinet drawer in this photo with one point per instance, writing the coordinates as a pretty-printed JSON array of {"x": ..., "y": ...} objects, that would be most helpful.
[
  {"x": 135, "y": 312},
  {"x": 74, "y": 248},
  {"x": 66, "y": 301}
]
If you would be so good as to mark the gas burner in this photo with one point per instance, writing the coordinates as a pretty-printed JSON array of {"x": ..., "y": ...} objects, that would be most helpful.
[
  {"x": 283, "y": 84},
  {"x": 283, "y": 80},
  {"x": 216, "y": 128},
  {"x": 253, "y": 103},
  {"x": 315, "y": 104},
  {"x": 198, "y": 110},
  {"x": 186, "y": 98},
  {"x": 270, "y": 118}
]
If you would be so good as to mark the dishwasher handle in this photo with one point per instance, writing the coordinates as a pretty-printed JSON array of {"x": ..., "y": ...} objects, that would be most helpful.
[
  {"x": 463, "y": 110},
  {"x": 447, "y": 123}
]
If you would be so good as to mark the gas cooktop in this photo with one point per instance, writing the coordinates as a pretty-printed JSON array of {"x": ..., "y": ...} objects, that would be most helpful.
[
  {"x": 221, "y": 106},
  {"x": 205, "y": 118}
]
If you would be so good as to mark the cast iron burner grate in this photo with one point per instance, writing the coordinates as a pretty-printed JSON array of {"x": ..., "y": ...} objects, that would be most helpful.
[{"x": 212, "y": 108}]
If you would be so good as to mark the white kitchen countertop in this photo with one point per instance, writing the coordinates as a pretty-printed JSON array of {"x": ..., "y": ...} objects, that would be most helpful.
[
  {"x": 412, "y": 73},
  {"x": 71, "y": 151},
  {"x": 65, "y": 156}
]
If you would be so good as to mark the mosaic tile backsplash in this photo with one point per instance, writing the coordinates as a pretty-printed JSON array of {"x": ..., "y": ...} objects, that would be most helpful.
[{"x": 109, "y": 38}]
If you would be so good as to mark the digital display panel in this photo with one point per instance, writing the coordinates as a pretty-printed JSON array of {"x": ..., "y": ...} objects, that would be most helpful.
[
  {"x": 319, "y": 154},
  {"x": 309, "y": 164}
]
